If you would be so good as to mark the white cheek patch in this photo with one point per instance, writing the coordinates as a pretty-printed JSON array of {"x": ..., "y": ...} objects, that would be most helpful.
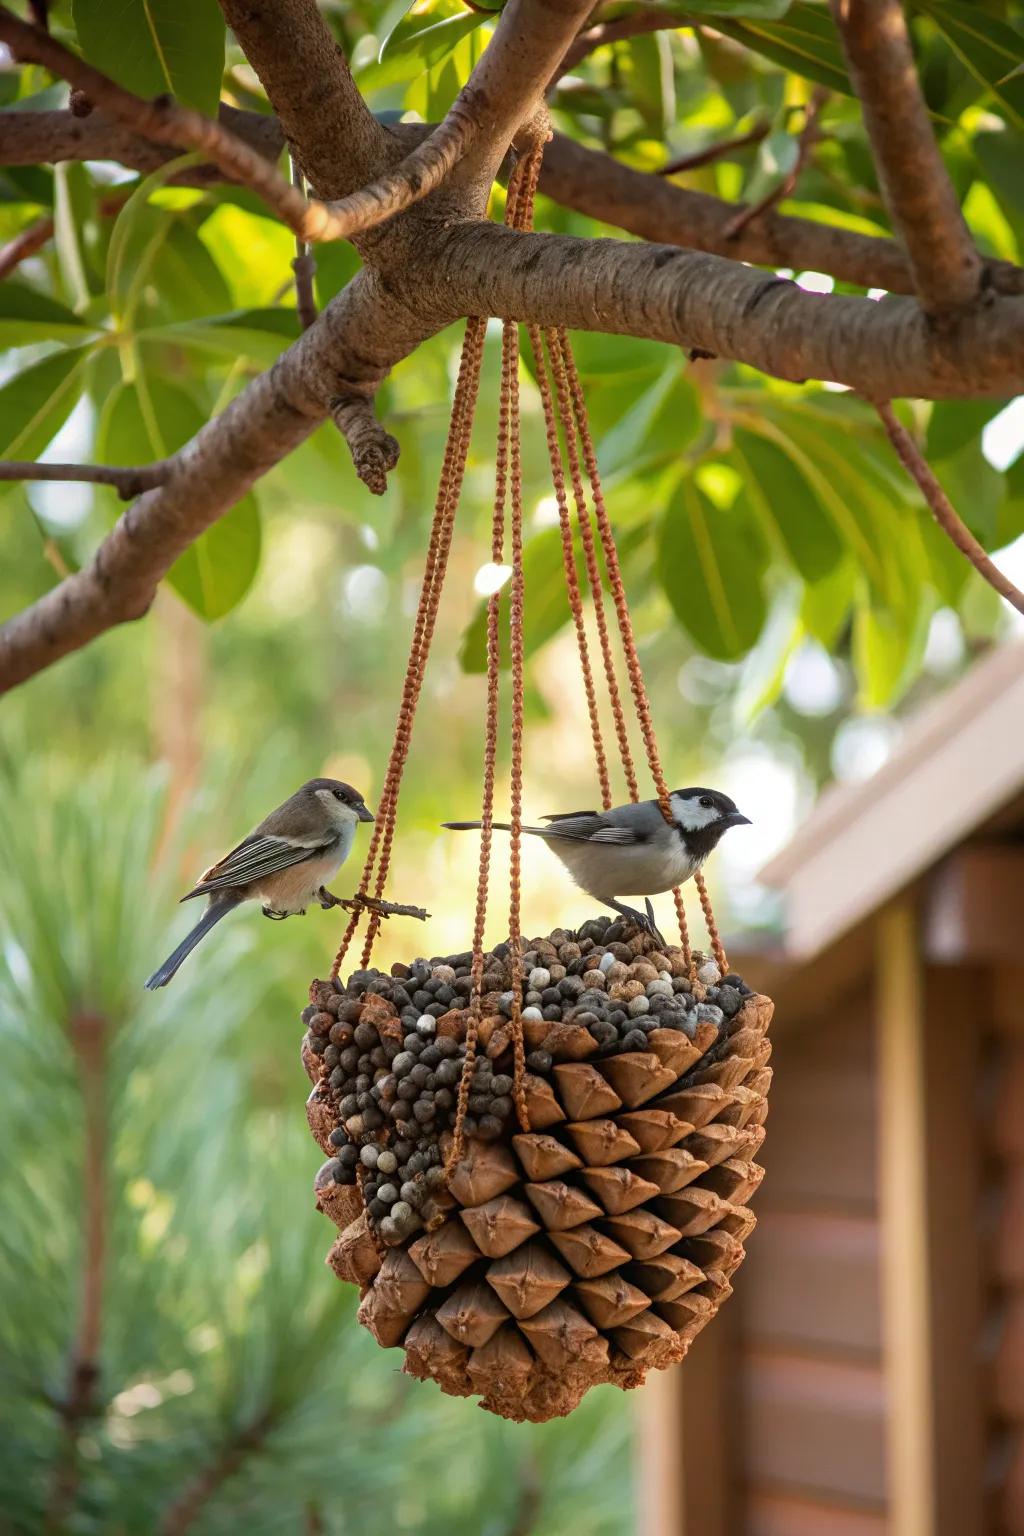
[
  {"x": 691, "y": 815},
  {"x": 340, "y": 814}
]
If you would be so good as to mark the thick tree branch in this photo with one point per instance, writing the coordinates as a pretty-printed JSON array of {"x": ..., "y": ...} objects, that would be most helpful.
[
  {"x": 37, "y": 138},
  {"x": 882, "y": 349},
  {"x": 920, "y": 196},
  {"x": 128, "y": 480},
  {"x": 594, "y": 184},
  {"x": 942, "y": 509}
]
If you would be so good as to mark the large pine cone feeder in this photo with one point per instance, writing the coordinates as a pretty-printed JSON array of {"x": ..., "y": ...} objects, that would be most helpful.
[{"x": 588, "y": 1249}]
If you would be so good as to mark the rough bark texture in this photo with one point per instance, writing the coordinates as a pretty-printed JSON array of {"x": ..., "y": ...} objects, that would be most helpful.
[{"x": 436, "y": 260}]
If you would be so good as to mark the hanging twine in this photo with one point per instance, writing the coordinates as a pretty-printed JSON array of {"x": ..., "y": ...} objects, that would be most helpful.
[{"x": 452, "y": 472}]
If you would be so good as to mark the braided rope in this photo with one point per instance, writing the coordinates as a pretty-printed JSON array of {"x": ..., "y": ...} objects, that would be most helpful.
[
  {"x": 452, "y": 471},
  {"x": 634, "y": 670}
]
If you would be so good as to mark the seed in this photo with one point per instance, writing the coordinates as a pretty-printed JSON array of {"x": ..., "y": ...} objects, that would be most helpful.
[{"x": 368, "y": 1156}]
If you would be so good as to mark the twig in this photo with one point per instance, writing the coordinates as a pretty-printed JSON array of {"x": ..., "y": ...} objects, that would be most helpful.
[
  {"x": 182, "y": 1513},
  {"x": 636, "y": 24},
  {"x": 88, "y": 1036},
  {"x": 715, "y": 152},
  {"x": 374, "y": 451},
  {"x": 920, "y": 197},
  {"x": 530, "y": 1497},
  {"x": 128, "y": 480},
  {"x": 32, "y": 239},
  {"x": 303, "y": 264},
  {"x": 164, "y": 122},
  {"x": 809, "y": 136},
  {"x": 376, "y": 904},
  {"x": 24, "y": 245},
  {"x": 942, "y": 508}
]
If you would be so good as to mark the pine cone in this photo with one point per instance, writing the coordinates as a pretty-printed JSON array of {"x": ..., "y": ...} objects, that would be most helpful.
[{"x": 594, "y": 1246}]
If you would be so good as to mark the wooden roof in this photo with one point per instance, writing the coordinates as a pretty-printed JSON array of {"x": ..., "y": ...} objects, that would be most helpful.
[{"x": 961, "y": 760}]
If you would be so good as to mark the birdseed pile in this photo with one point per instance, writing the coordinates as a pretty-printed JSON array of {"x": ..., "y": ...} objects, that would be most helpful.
[{"x": 587, "y": 1248}]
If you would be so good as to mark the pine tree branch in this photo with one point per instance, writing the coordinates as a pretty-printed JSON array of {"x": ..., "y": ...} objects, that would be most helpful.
[
  {"x": 942, "y": 509},
  {"x": 88, "y": 1036},
  {"x": 127, "y": 480},
  {"x": 921, "y": 198},
  {"x": 183, "y": 1512}
]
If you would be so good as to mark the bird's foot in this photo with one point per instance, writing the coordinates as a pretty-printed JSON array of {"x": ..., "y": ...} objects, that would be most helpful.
[
  {"x": 327, "y": 899},
  {"x": 643, "y": 920},
  {"x": 275, "y": 917}
]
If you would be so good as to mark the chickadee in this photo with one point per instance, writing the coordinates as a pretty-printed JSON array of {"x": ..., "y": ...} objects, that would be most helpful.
[
  {"x": 632, "y": 849},
  {"x": 286, "y": 863}
]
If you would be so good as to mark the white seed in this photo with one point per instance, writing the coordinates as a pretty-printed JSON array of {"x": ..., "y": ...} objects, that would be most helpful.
[
  {"x": 659, "y": 989},
  {"x": 638, "y": 1005},
  {"x": 539, "y": 979},
  {"x": 709, "y": 974},
  {"x": 532, "y": 1013},
  {"x": 387, "y": 1162},
  {"x": 606, "y": 961},
  {"x": 426, "y": 1024}
]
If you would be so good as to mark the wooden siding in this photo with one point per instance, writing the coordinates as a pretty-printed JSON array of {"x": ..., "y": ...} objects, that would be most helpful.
[
  {"x": 1005, "y": 1252},
  {"x": 811, "y": 1389}
]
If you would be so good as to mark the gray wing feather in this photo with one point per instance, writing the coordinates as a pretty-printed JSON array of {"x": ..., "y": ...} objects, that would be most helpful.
[{"x": 253, "y": 859}]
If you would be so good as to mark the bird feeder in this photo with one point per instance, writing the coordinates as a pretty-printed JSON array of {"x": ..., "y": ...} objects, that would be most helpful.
[{"x": 539, "y": 1155}]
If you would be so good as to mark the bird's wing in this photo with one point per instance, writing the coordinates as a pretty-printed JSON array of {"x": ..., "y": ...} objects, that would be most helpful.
[
  {"x": 570, "y": 815},
  {"x": 588, "y": 827},
  {"x": 253, "y": 859}
]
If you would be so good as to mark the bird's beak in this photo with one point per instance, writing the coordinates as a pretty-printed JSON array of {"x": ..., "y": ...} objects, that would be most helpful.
[
  {"x": 737, "y": 819},
  {"x": 364, "y": 813}
]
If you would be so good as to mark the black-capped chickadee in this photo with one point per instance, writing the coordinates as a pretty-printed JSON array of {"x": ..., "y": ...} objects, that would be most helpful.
[
  {"x": 631, "y": 849},
  {"x": 285, "y": 863}
]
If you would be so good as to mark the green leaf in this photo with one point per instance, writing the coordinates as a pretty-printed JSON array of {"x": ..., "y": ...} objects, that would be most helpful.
[
  {"x": 826, "y": 604},
  {"x": 27, "y": 317},
  {"x": 787, "y": 507},
  {"x": 887, "y": 651},
  {"x": 764, "y": 671},
  {"x": 138, "y": 232},
  {"x": 147, "y": 420},
  {"x": 35, "y": 403},
  {"x": 546, "y": 608},
  {"x": 153, "y": 47},
  {"x": 766, "y": 10},
  {"x": 804, "y": 41},
  {"x": 416, "y": 45},
  {"x": 988, "y": 47},
  {"x": 663, "y": 420},
  {"x": 955, "y": 423},
  {"x": 711, "y": 572},
  {"x": 259, "y": 334}
]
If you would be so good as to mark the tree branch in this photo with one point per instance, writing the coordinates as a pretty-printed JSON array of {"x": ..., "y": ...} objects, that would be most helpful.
[
  {"x": 164, "y": 122},
  {"x": 690, "y": 299},
  {"x": 34, "y": 138},
  {"x": 942, "y": 509},
  {"x": 809, "y": 136},
  {"x": 348, "y": 350},
  {"x": 303, "y": 265},
  {"x": 374, "y": 451},
  {"x": 636, "y": 24},
  {"x": 182, "y": 1513},
  {"x": 602, "y": 188},
  {"x": 88, "y": 1034},
  {"x": 715, "y": 152},
  {"x": 128, "y": 481},
  {"x": 920, "y": 197}
]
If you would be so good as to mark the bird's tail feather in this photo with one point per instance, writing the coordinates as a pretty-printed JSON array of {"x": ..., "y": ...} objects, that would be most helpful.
[
  {"x": 209, "y": 919},
  {"x": 497, "y": 826}
]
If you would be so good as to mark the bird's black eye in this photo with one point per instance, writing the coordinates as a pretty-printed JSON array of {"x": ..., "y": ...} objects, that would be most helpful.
[
  {"x": 706, "y": 801},
  {"x": 339, "y": 794}
]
